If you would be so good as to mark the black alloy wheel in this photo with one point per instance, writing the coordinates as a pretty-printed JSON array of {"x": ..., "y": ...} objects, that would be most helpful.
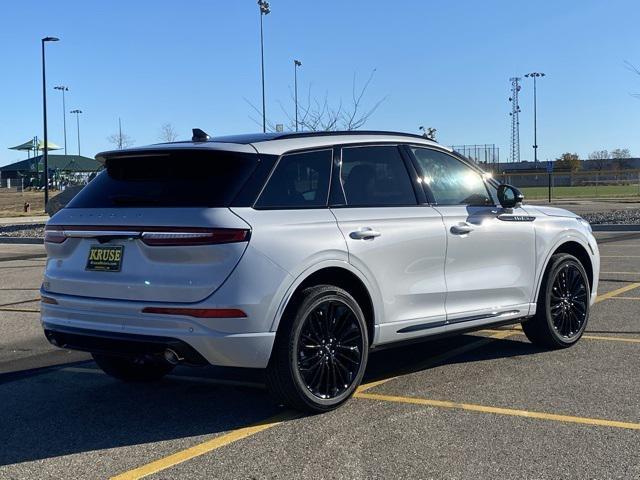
[
  {"x": 329, "y": 350},
  {"x": 568, "y": 301},
  {"x": 562, "y": 309},
  {"x": 320, "y": 351}
]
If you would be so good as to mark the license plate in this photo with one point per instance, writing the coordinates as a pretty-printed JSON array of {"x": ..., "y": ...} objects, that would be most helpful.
[{"x": 105, "y": 259}]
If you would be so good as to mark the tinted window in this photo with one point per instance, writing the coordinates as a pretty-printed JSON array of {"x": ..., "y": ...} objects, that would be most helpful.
[
  {"x": 172, "y": 179},
  {"x": 300, "y": 180},
  {"x": 375, "y": 176},
  {"x": 451, "y": 181}
]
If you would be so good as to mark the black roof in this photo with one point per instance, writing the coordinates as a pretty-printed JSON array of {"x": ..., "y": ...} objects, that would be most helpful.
[{"x": 264, "y": 137}]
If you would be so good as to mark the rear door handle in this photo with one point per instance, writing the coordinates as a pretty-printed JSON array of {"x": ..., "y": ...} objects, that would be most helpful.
[
  {"x": 364, "y": 233},
  {"x": 461, "y": 229}
]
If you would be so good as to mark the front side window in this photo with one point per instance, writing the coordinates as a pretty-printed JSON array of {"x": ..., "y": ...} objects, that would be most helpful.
[
  {"x": 375, "y": 176},
  {"x": 450, "y": 180},
  {"x": 300, "y": 180}
]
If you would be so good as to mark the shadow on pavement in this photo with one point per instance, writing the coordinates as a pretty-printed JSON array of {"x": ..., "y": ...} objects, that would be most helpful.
[{"x": 68, "y": 411}]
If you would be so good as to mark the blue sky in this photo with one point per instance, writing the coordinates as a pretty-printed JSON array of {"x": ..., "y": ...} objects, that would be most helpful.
[{"x": 444, "y": 64}]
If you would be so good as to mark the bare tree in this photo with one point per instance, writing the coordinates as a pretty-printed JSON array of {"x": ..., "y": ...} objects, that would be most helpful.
[
  {"x": 320, "y": 114},
  {"x": 168, "y": 133},
  {"x": 620, "y": 158},
  {"x": 600, "y": 159},
  {"x": 619, "y": 153},
  {"x": 120, "y": 140},
  {"x": 635, "y": 70}
]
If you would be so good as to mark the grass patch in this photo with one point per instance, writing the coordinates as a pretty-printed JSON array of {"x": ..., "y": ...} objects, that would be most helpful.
[{"x": 583, "y": 191}]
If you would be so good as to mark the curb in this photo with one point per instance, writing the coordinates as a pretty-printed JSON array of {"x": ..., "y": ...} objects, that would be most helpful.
[
  {"x": 615, "y": 228},
  {"x": 22, "y": 240}
]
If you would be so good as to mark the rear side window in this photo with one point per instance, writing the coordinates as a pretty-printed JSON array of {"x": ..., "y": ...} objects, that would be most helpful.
[
  {"x": 168, "y": 179},
  {"x": 375, "y": 176},
  {"x": 450, "y": 180},
  {"x": 300, "y": 180}
]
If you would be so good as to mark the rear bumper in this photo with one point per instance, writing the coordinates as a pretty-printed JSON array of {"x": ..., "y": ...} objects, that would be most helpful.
[
  {"x": 117, "y": 328},
  {"x": 115, "y": 343}
]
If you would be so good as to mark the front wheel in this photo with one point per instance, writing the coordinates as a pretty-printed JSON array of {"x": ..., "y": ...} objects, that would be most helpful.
[
  {"x": 321, "y": 350},
  {"x": 132, "y": 369},
  {"x": 563, "y": 304}
]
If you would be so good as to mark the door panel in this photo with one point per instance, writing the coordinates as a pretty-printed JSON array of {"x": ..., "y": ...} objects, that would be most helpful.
[
  {"x": 490, "y": 265},
  {"x": 406, "y": 259}
]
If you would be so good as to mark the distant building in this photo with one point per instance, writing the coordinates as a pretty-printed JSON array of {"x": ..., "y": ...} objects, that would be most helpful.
[{"x": 63, "y": 170}]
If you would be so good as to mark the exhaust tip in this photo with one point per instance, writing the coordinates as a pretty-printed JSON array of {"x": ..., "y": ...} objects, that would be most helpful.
[{"x": 172, "y": 357}]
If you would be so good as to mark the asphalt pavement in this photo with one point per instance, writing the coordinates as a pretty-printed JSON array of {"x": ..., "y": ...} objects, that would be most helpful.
[{"x": 486, "y": 405}]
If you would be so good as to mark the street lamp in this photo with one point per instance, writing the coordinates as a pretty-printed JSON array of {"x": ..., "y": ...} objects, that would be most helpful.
[
  {"x": 535, "y": 75},
  {"x": 264, "y": 10},
  {"x": 77, "y": 112},
  {"x": 63, "y": 89},
  {"x": 44, "y": 118},
  {"x": 296, "y": 64}
]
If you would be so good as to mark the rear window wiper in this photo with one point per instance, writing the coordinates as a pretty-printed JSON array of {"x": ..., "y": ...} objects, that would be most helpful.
[{"x": 124, "y": 199}]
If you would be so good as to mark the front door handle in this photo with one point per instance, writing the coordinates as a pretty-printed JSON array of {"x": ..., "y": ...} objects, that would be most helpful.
[
  {"x": 364, "y": 233},
  {"x": 461, "y": 229}
]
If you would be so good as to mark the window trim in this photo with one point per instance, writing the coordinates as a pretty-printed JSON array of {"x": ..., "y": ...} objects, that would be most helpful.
[
  {"x": 338, "y": 174},
  {"x": 275, "y": 167},
  {"x": 428, "y": 190}
]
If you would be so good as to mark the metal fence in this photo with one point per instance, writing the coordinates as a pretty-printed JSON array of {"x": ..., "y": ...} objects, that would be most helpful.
[{"x": 578, "y": 184}]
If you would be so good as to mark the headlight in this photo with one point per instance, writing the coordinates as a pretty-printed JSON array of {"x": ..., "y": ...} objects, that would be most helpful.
[{"x": 584, "y": 223}]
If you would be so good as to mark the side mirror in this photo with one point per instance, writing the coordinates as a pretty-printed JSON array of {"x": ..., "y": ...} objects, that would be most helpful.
[{"x": 509, "y": 196}]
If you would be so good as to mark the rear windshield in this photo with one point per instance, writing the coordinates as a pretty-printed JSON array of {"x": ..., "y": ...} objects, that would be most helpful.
[{"x": 168, "y": 179}]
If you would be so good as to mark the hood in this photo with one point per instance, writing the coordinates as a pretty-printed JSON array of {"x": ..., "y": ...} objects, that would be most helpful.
[{"x": 551, "y": 211}]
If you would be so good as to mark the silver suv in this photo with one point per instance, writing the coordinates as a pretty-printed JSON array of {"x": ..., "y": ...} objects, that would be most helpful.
[{"x": 300, "y": 254}]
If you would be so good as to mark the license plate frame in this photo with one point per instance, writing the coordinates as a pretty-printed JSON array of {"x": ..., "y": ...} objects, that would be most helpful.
[{"x": 101, "y": 260}]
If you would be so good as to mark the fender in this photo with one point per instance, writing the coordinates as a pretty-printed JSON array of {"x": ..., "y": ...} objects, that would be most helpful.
[
  {"x": 372, "y": 288},
  {"x": 564, "y": 237}
]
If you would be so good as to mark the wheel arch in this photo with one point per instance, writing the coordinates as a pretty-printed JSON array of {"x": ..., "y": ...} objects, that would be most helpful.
[
  {"x": 574, "y": 247},
  {"x": 341, "y": 275}
]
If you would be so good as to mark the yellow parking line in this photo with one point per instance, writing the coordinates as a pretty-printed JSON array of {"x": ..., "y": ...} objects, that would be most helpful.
[
  {"x": 612, "y": 339},
  {"x": 205, "y": 447},
  {"x": 501, "y": 334},
  {"x": 616, "y": 292},
  {"x": 586, "y": 337},
  {"x": 620, "y": 273},
  {"x": 500, "y": 411},
  {"x": 626, "y": 298}
]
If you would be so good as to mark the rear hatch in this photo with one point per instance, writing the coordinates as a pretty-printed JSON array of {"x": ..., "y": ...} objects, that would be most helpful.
[{"x": 153, "y": 226}]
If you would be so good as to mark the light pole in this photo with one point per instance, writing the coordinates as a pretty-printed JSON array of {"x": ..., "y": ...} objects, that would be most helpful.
[
  {"x": 535, "y": 75},
  {"x": 77, "y": 112},
  {"x": 296, "y": 64},
  {"x": 63, "y": 89},
  {"x": 264, "y": 10},
  {"x": 44, "y": 118}
]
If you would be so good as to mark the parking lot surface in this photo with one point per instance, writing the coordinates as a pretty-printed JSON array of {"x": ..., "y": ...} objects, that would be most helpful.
[{"x": 486, "y": 405}]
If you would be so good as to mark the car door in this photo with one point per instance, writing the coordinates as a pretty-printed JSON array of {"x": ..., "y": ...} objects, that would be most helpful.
[
  {"x": 490, "y": 261},
  {"x": 392, "y": 236}
]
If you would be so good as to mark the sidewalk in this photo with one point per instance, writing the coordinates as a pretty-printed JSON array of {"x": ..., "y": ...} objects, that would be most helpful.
[{"x": 21, "y": 220}]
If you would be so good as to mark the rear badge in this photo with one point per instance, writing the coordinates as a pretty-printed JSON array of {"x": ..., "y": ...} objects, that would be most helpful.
[{"x": 105, "y": 259}]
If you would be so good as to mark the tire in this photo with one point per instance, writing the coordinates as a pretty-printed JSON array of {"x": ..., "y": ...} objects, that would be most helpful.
[
  {"x": 132, "y": 370},
  {"x": 320, "y": 351},
  {"x": 562, "y": 309}
]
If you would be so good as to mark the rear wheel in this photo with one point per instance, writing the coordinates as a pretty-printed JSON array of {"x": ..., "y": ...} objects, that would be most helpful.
[
  {"x": 320, "y": 352},
  {"x": 563, "y": 304},
  {"x": 132, "y": 369}
]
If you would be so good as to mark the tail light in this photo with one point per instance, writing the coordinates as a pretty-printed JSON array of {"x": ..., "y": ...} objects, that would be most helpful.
[
  {"x": 152, "y": 236},
  {"x": 194, "y": 236},
  {"x": 54, "y": 234}
]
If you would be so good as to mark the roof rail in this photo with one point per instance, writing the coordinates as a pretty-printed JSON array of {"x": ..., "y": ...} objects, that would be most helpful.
[{"x": 348, "y": 132}]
